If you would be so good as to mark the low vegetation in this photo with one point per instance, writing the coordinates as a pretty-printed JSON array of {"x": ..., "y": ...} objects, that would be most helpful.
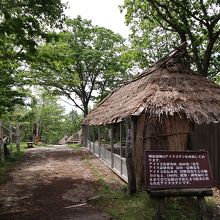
[
  {"x": 10, "y": 161},
  {"x": 121, "y": 206},
  {"x": 74, "y": 146},
  {"x": 140, "y": 206}
]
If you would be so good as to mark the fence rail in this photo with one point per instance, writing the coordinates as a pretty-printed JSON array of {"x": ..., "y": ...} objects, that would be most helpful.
[{"x": 112, "y": 160}]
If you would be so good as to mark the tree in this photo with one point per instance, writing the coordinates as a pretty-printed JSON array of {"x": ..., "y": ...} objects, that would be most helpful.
[
  {"x": 23, "y": 24},
  {"x": 195, "y": 22},
  {"x": 83, "y": 62},
  {"x": 72, "y": 123},
  {"x": 9, "y": 96},
  {"x": 49, "y": 118}
]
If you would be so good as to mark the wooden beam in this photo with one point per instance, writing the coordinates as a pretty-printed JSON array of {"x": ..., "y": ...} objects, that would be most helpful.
[
  {"x": 85, "y": 136},
  {"x": 88, "y": 138},
  {"x": 129, "y": 157},
  {"x": 93, "y": 138},
  {"x": 17, "y": 137},
  {"x": 112, "y": 145},
  {"x": 99, "y": 139},
  {"x": 121, "y": 143},
  {"x": 11, "y": 138},
  {"x": 181, "y": 192},
  {"x": 139, "y": 151}
]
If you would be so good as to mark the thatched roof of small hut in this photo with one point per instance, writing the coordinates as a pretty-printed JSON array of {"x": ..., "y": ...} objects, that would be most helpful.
[
  {"x": 169, "y": 87},
  {"x": 63, "y": 140}
]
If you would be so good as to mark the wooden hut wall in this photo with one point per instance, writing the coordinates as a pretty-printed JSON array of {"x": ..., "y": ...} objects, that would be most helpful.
[
  {"x": 169, "y": 133},
  {"x": 207, "y": 137}
]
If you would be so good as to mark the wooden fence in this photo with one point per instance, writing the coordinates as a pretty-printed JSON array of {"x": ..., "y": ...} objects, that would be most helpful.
[
  {"x": 207, "y": 137},
  {"x": 112, "y": 160}
]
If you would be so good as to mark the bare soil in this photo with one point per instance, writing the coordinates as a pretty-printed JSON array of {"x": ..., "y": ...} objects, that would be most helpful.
[{"x": 54, "y": 183}]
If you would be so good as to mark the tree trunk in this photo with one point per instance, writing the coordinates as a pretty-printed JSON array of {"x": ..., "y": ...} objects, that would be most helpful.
[
  {"x": 1, "y": 144},
  {"x": 17, "y": 137},
  {"x": 129, "y": 160},
  {"x": 84, "y": 135}
]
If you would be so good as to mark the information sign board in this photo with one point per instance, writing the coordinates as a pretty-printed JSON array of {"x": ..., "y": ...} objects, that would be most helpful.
[{"x": 177, "y": 169}]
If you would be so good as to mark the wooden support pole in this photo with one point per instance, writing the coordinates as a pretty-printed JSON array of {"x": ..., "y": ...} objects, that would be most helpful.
[
  {"x": 121, "y": 140},
  {"x": 202, "y": 208},
  {"x": 2, "y": 144},
  {"x": 11, "y": 138},
  {"x": 85, "y": 136},
  {"x": 99, "y": 140},
  {"x": 129, "y": 158},
  {"x": 17, "y": 137},
  {"x": 160, "y": 208},
  {"x": 161, "y": 194},
  {"x": 112, "y": 146},
  {"x": 88, "y": 130},
  {"x": 93, "y": 138}
]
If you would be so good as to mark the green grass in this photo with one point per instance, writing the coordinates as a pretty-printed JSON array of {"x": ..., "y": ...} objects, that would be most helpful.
[
  {"x": 121, "y": 206},
  {"x": 9, "y": 162},
  {"x": 141, "y": 207},
  {"x": 74, "y": 146}
]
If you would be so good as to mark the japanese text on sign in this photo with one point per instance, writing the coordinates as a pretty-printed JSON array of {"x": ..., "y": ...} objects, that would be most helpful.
[{"x": 172, "y": 169}]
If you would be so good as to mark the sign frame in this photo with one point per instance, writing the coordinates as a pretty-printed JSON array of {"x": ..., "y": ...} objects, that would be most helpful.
[{"x": 188, "y": 166}]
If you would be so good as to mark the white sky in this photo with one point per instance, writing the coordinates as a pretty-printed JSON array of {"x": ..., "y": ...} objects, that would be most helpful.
[{"x": 104, "y": 13}]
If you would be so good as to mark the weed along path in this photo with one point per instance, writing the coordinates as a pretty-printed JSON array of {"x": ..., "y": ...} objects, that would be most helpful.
[{"x": 55, "y": 183}]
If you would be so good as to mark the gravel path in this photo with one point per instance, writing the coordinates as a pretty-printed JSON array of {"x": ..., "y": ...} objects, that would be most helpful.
[{"x": 54, "y": 183}]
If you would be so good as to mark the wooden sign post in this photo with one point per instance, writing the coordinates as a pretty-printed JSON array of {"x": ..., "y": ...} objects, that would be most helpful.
[{"x": 176, "y": 174}]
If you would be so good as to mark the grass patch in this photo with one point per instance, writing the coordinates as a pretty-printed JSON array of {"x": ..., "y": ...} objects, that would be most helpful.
[
  {"x": 141, "y": 207},
  {"x": 74, "y": 146},
  {"x": 9, "y": 162}
]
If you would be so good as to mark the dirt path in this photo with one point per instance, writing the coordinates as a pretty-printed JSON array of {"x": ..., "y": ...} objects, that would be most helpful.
[{"x": 49, "y": 182}]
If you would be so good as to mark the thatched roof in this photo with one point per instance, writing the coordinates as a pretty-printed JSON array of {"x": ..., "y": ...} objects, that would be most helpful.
[
  {"x": 63, "y": 140},
  {"x": 167, "y": 88}
]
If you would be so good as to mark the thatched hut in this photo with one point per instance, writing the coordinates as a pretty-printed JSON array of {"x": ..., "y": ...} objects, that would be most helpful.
[
  {"x": 63, "y": 140},
  {"x": 74, "y": 138},
  {"x": 163, "y": 103}
]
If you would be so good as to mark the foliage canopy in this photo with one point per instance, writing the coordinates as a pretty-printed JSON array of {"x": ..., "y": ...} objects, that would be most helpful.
[
  {"x": 23, "y": 24},
  {"x": 82, "y": 62},
  {"x": 158, "y": 25}
]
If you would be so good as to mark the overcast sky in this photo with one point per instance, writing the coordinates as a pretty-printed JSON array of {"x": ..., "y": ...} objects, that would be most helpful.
[{"x": 103, "y": 13}]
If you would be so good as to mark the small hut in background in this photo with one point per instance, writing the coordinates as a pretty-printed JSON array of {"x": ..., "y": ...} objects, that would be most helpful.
[
  {"x": 162, "y": 106},
  {"x": 63, "y": 140},
  {"x": 75, "y": 138}
]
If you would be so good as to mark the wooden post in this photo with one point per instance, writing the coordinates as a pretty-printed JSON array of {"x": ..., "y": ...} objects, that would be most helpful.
[
  {"x": 93, "y": 138},
  {"x": 85, "y": 135},
  {"x": 129, "y": 158},
  {"x": 112, "y": 146},
  {"x": 2, "y": 144},
  {"x": 17, "y": 137},
  {"x": 202, "y": 208},
  {"x": 100, "y": 141},
  {"x": 88, "y": 130},
  {"x": 120, "y": 128},
  {"x": 160, "y": 208},
  {"x": 11, "y": 138},
  {"x": 139, "y": 152}
]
